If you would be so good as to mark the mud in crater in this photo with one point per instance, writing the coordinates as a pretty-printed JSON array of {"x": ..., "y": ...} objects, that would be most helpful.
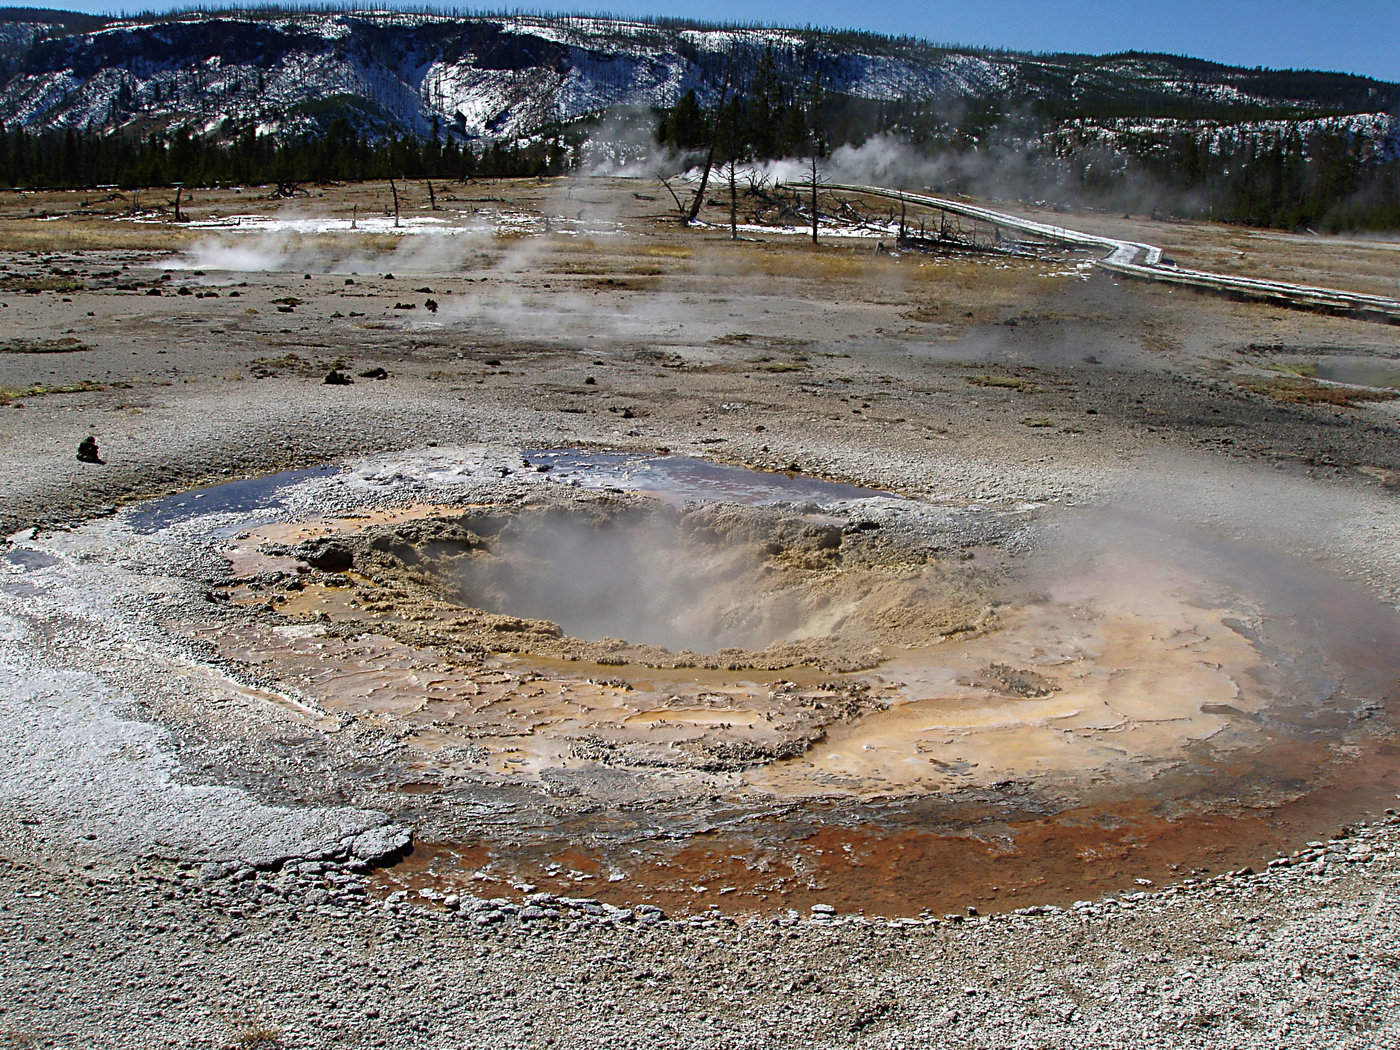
[{"x": 633, "y": 580}]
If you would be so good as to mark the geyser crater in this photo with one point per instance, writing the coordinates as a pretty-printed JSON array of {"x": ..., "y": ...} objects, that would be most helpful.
[
  {"x": 1102, "y": 696},
  {"x": 633, "y": 579}
]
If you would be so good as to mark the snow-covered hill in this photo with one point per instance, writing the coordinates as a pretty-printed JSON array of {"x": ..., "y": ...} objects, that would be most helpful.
[{"x": 505, "y": 78}]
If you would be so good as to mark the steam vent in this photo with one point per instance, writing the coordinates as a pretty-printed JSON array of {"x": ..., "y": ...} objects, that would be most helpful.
[{"x": 778, "y": 689}]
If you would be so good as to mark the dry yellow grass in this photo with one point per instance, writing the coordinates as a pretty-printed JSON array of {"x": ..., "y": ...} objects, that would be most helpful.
[
  {"x": 980, "y": 274},
  {"x": 1299, "y": 390},
  {"x": 600, "y": 258},
  {"x": 10, "y": 394},
  {"x": 819, "y": 265},
  {"x": 664, "y": 251},
  {"x": 28, "y": 235}
]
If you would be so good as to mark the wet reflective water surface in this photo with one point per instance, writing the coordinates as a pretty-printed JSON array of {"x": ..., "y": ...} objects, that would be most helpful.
[
  {"x": 230, "y": 497},
  {"x": 1358, "y": 371}
]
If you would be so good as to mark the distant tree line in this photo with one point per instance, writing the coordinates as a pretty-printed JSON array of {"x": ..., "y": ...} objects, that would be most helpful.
[
  {"x": 1300, "y": 174},
  {"x": 1289, "y": 180},
  {"x": 1292, "y": 177},
  {"x": 76, "y": 159},
  {"x": 1297, "y": 176}
]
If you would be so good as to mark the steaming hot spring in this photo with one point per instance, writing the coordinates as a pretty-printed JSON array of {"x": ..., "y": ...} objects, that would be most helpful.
[{"x": 687, "y": 683}]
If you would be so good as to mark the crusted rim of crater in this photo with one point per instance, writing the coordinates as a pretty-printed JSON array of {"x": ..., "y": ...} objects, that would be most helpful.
[{"x": 879, "y": 588}]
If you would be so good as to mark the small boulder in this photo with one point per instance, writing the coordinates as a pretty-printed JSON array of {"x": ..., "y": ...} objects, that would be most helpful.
[
  {"x": 378, "y": 844},
  {"x": 327, "y": 554},
  {"x": 88, "y": 452}
]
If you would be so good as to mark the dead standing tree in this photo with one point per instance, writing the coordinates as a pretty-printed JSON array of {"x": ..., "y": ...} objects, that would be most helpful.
[
  {"x": 812, "y": 185},
  {"x": 179, "y": 191},
  {"x": 699, "y": 200},
  {"x": 818, "y": 144},
  {"x": 733, "y": 200},
  {"x": 688, "y": 213},
  {"x": 732, "y": 174}
]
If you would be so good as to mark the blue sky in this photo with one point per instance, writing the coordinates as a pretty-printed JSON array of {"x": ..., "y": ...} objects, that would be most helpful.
[{"x": 1354, "y": 36}]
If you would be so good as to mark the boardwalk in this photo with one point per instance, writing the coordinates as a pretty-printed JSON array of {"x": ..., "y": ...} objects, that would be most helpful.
[{"x": 1133, "y": 259}]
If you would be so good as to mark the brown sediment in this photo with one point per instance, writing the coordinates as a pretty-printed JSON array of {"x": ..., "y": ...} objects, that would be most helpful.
[
  {"x": 1099, "y": 674},
  {"x": 892, "y": 867}
]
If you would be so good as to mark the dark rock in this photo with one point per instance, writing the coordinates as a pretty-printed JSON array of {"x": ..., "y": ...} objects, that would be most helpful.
[
  {"x": 328, "y": 555},
  {"x": 374, "y": 373},
  {"x": 335, "y": 377},
  {"x": 88, "y": 452},
  {"x": 1029, "y": 685}
]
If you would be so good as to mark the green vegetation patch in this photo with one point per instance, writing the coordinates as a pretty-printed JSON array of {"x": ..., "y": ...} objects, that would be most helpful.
[
  {"x": 1300, "y": 390},
  {"x": 265, "y": 367},
  {"x": 1007, "y": 382},
  {"x": 66, "y": 345},
  {"x": 34, "y": 285},
  {"x": 10, "y": 394}
]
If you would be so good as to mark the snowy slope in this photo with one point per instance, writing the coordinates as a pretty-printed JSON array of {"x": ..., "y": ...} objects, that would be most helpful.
[{"x": 495, "y": 78}]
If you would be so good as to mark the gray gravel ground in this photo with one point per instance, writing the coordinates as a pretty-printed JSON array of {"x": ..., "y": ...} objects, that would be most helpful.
[
  {"x": 1303, "y": 955},
  {"x": 174, "y": 874}
]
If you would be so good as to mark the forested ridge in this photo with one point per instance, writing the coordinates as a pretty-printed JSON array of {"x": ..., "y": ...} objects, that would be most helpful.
[{"x": 1132, "y": 131}]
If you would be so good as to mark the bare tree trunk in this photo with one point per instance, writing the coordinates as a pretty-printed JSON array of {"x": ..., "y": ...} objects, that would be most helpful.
[
  {"x": 733, "y": 203},
  {"x": 699, "y": 200},
  {"x": 395, "y": 191},
  {"x": 178, "y": 191},
  {"x": 814, "y": 192},
  {"x": 354, "y": 215},
  {"x": 432, "y": 197},
  {"x": 680, "y": 208}
]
